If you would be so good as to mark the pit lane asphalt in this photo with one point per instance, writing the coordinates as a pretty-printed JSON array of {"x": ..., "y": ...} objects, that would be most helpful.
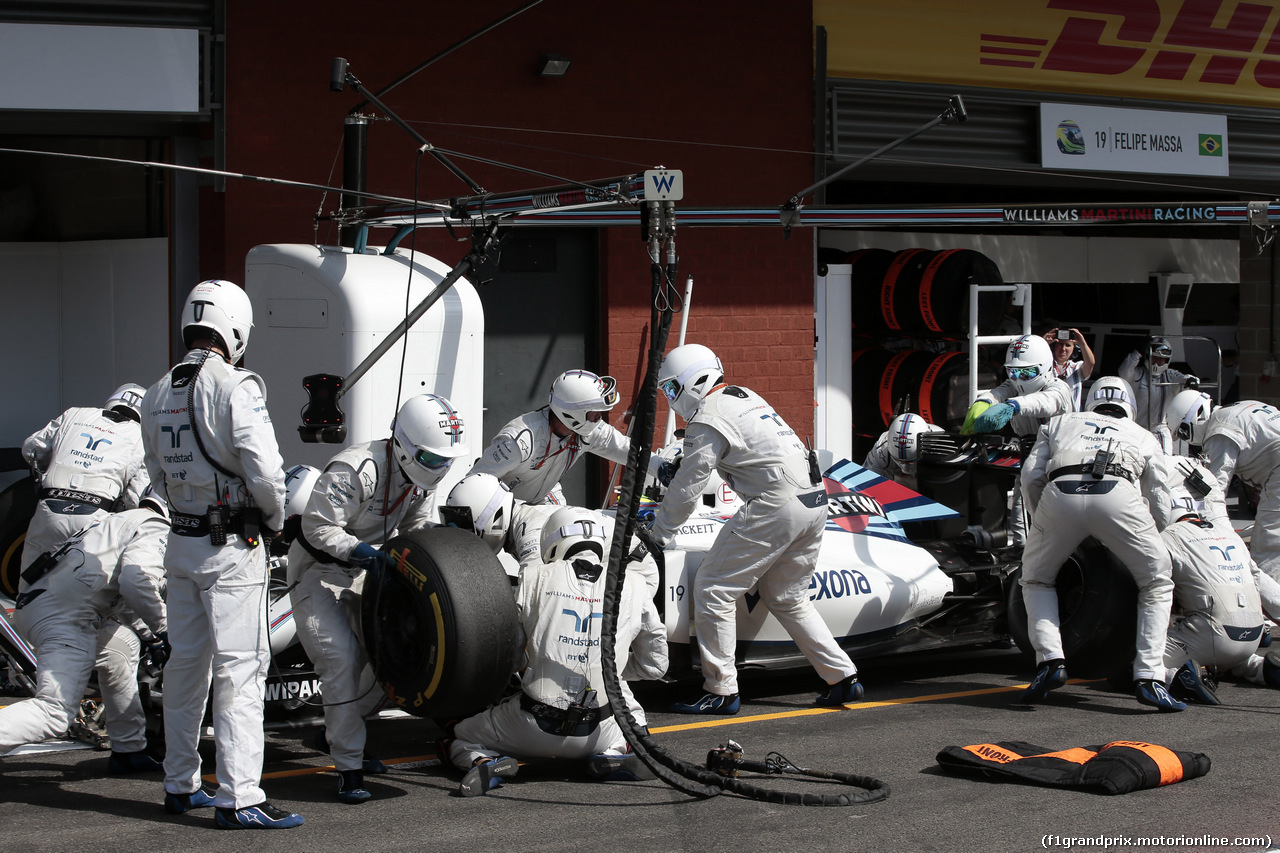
[{"x": 915, "y": 706}]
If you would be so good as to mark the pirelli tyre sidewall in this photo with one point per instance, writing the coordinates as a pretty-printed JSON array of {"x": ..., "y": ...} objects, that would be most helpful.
[
  {"x": 1098, "y": 608},
  {"x": 441, "y": 629}
]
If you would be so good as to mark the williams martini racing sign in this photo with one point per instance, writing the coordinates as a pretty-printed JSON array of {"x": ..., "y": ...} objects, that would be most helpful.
[{"x": 1108, "y": 139}]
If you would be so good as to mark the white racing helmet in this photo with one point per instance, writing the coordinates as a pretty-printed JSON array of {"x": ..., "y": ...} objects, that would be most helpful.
[
  {"x": 299, "y": 481},
  {"x": 904, "y": 439},
  {"x": 127, "y": 400},
  {"x": 1111, "y": 395},
  {"x": 687, "y": 374},
  {"x": 1029, "y": 363},
  {"x": 1188, "y": 415},
  {"x": 221, "y": 310},
  {"x": 482, "y": 503},
  {"x": 577, "y": 393},
  {"x": 427, "y": 436},
  {"x": 570, "y": 531},
  {"x": 1158, "y": 354}
]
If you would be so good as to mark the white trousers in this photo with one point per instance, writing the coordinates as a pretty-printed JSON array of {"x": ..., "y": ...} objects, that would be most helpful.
[
  {"x": 508, "y": 729},
  {"x": 326, "y": 608},
  {"x": 1197, "y": 636},
  {"x": 773, "y": 545},
  {"x": 217, "y": 603},
  {"x": 1264, "y": 543},
  {"x": 67, "y": 654},
  {"x": 1113, "y": 512}
]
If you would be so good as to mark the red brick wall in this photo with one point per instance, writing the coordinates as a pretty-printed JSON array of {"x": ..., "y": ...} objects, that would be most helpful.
[{"x": 721, "y": 89}]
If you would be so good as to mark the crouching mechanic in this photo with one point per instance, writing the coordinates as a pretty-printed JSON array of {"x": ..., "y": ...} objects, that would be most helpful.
[
  {"x": 895, "y": 452},
  {"x": 772, "y": 541},
  {"x": 1241, "y": 439},
  {"x": 1220, "y": 591},
  {"x": 561, "y": 711},
  {"x": 1081, "y": 479},
  {"x": 367, "y": 494},
  {"x": 531, "y": 453},
  {"x": 88, "y": 461},
  {"x": 115, "y": 562},
  {"x": 211, "y": 452}
]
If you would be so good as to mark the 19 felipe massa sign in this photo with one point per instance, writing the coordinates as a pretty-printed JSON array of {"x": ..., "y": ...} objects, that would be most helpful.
[{"x": 1108, "y": 139}]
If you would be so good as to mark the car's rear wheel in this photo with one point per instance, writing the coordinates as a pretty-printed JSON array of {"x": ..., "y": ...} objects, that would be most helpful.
[
  {"x": 1097, "y": 605},
  {"x": 441, "y": 629}
]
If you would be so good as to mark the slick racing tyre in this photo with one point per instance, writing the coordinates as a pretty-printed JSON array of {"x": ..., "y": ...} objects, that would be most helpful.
[
  {"x": 441, "y": 628},
  {"x": 1098, "y": 609},
  {"x": 17, "y": 505}
]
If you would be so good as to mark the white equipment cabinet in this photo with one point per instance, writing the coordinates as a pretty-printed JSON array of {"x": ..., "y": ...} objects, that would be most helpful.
[{"x": 324, "y": 309}]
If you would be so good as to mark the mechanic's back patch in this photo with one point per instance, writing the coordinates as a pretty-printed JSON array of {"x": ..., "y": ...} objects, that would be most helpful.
[{"x": 1115, "y": 768}]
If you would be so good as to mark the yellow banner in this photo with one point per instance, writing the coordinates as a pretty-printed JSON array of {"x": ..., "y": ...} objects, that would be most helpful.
[{"x": 1204, "y": 51}]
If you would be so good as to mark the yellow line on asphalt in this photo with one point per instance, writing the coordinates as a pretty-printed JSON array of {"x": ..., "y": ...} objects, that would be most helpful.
[
  {"x": 708, "y": 724},
  {"x": 853, "y": 706}
]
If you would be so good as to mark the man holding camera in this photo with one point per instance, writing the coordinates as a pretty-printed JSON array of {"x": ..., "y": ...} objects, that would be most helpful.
[{"x": 1063, "y": 343}]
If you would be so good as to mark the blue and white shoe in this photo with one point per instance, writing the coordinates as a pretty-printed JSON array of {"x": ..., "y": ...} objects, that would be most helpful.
[
  {"x": 183, "y": 803},
  {"x": 709, "y": 703},
  {"x": 261, "y": 816},
  {"x": 841, "y": 693},
  {"x": 1051, "y": 675},
  {"x": 487, "y": 775},
  {"x": 121, "y": 763},
  {"x": 1155, "y": 695},
  {"x": 1190, "y": 685}
]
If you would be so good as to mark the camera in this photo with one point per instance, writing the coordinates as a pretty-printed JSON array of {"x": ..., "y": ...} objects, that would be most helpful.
[{"x": 1064, "y": 334}]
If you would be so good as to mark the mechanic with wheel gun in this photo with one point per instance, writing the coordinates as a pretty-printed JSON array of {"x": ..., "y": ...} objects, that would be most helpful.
[
  {"x": 772, "y": 541},
  {"x": 560, "y": 711},
  {"x": 367, "y": 494},
  {"x": 1241, "y": 439},
  {"x": 1081, "y": 479},
  {"x": 211, "y": 452},
  {"x": 531, "y": 453},
  {"x": 1221, "y": 593},
  {"x": 115, "y": 562},
  {"x": 1027, "y": 399}
]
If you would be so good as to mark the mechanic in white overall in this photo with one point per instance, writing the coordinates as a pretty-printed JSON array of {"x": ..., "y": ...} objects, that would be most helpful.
[
  {"x": 895, "y": 452},
  {"x": 1154, "y": 385},
  {"x": 1025, "y": 400},
  {"x": 1063, "y": 343},
  {"x": 117, "y": 561},
  {"x": 212, "y": 454},
  {"x": 1221, "y": 593},
  {"x": 368, "y": 494},
  {"x": 88, "y": 461},
  {"x": 483, "y": 504},
  {"x": 771, "y": 542},
  {"x": 1241, "y": 439},
  {"x": 562, "y": 710},
  {"x": 531, "y": 453},
  {"x": 1081, "y": 479}
]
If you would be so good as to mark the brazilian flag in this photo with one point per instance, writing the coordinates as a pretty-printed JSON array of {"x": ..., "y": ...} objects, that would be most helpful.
[{"x": 1210, "y": 145}]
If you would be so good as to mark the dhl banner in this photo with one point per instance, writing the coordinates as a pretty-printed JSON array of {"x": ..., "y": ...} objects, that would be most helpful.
[{"x": 1204, "y": 51}]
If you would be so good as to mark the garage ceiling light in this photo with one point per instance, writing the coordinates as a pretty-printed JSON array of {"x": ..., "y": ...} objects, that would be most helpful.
[{"x": 552, "y": 65}]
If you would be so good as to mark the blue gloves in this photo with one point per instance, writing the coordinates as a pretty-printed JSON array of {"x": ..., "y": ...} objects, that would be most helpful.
[
  {"x": 366, "y": 557},
  {"x": 667, "y": 471},
  {"x": 994, "y": 418}
]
